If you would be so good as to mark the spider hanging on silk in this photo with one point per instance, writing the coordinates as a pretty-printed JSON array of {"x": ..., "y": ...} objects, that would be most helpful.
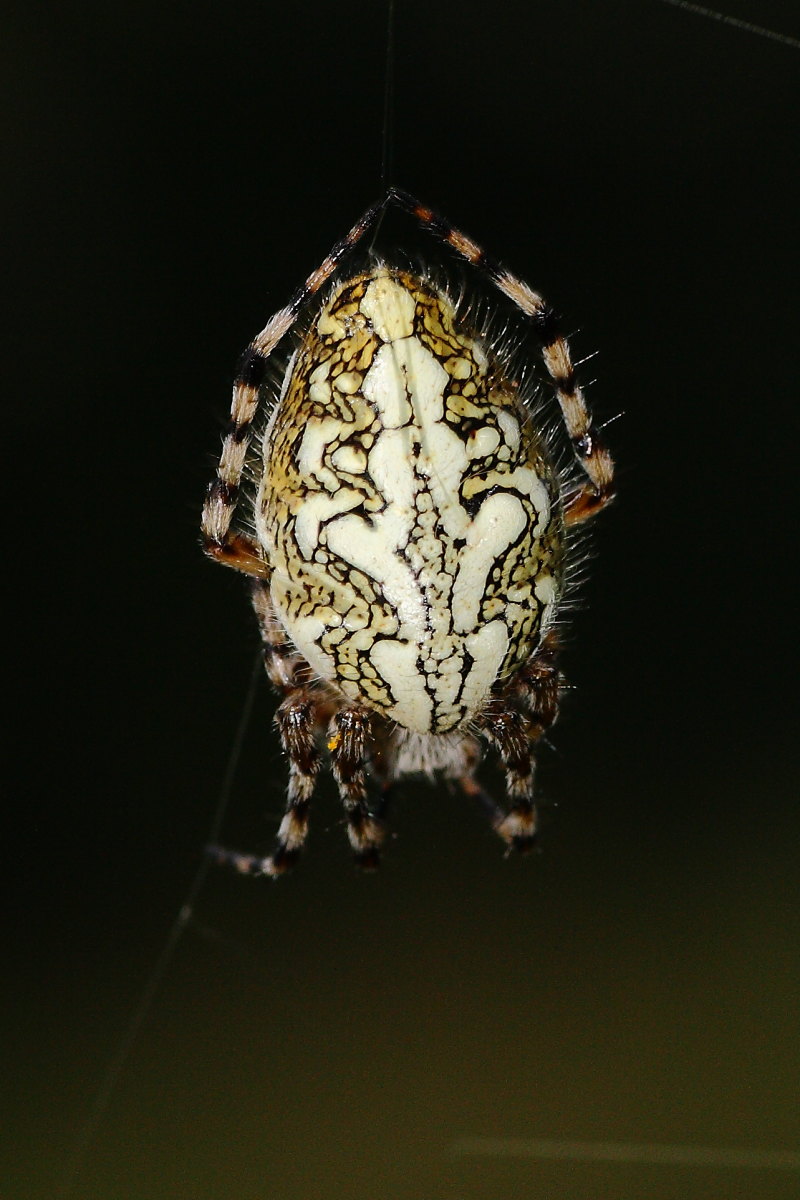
[{"x": 400, "y": 509}]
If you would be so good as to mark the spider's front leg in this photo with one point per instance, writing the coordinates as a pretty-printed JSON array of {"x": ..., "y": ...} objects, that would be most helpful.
[
  {"x": 509, "y": 731},
  {"x": 536, "y": 685},
  {"x": 297, "y": 722},
  {"x": 349, "y": 738},
  {"x": 514, "y": 733},
  {"x": 299, "y": 718}
]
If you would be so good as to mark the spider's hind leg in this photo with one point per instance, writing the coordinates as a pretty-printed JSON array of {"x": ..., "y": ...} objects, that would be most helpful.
[
  {"x": 596, "y": 490},
  {"x": 220, "y": 541}
]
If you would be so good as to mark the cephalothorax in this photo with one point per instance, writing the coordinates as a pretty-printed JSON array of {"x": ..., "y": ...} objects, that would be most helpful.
[{"x": 406, "y": 537}]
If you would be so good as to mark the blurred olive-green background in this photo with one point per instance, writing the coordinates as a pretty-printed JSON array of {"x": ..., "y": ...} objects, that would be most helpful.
[{"x": 172, "y": 172}]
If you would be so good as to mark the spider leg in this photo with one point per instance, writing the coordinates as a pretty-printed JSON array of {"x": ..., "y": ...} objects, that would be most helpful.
[
  {"x": 286, "y": 668},
  {"x": 219, "y": 542},
  {"x": 349, "y": 735},
  {"x": 514, "y": 733},
  {"x": 587, "y": 445},
  {"x": 537, "y": 683},
  {"x": 476, "y": 791},
  {"x": 296, "y": 719},
  {"x": 509, "y": 732}
]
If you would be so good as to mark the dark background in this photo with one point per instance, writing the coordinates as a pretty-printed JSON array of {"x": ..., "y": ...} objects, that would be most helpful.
[{"x": 173, "y": 172}]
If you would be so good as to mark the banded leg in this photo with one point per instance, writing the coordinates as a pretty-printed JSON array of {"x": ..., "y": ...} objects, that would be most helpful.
[
  {"x": 287, "y": 670},
  {"x": 509, "y": 732},
  {"x": 589, "y": 450},
  {"x": 220, "y": 543},
  {"x": 472, "y": 788},
  {"x": 536, "y": 685},
  {"x": 240, "y": 552},
  {"x": 296, "y": 721},
  {"x": 349, "y": 735}
]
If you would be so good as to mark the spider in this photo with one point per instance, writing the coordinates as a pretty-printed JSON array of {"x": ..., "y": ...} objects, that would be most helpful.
[{"x": 407, "y": 537}]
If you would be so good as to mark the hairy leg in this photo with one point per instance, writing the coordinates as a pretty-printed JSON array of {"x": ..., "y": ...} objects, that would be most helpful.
[
  {"x": 296, "y": 719},
  {"x": 349, "y": 737}
]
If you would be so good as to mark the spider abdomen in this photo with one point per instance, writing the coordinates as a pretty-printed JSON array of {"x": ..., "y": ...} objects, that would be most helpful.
[{"x": 408, "y": 512}]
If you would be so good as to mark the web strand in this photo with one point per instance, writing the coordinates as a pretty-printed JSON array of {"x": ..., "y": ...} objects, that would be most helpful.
[
  {"x": 388, "y": 103},
  {"x": 88, "y": 1133},
  {"x": 747, "y": 26}
]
